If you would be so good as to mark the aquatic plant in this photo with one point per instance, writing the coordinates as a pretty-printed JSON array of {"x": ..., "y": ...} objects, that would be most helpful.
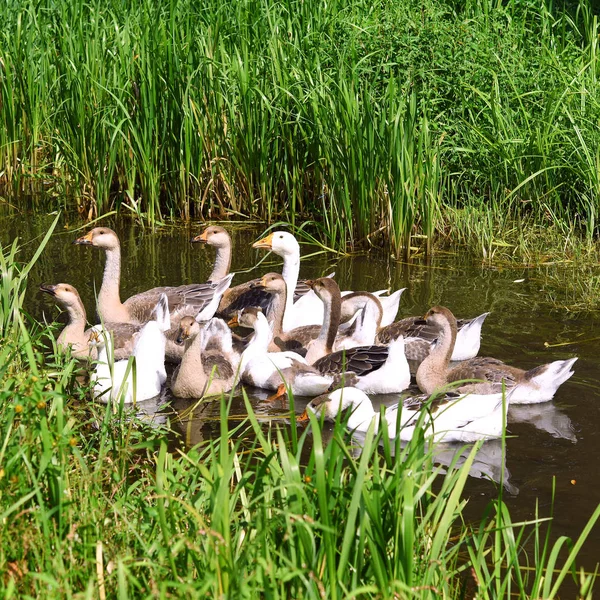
[{"x": 379, "y": 122}]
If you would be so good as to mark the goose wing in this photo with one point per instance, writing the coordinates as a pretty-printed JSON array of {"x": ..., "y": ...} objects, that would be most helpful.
[
  {"x": 243, "y": 296},
  {"x": 487, "y": 369},
  {"x": 361, "y": 360}
]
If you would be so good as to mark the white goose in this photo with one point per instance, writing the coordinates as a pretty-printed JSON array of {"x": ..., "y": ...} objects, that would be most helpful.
[
  {"x": 464, "y": 419},
  {"x": 276, "y": 370},
  {"x": 141, "y": 377}
]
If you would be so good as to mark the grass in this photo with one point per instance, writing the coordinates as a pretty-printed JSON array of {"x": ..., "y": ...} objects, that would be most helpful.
[
  {"x": 94, "y": 503},
  {"x": 379, "y": 122}
]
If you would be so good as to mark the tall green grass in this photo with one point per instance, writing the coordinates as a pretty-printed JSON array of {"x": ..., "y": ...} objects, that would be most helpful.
[{"x": 377, "y": 121}]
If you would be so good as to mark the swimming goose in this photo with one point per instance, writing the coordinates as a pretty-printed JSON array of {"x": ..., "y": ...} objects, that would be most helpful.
[
  {"x": 276, "y": 370},
  {"x": 77, "y": 336},
  {"x": 208, "y": 365},
  {"x": 141, "y": 377},
  {"x": 454, "y": 418},
  {"x": 183, "y": 300},
  {"x": 380, "y": 369},
  {"x": 536, "y": 385},
  {"x": 317, "y": 340},
  {"x": 468, "y": 339}
]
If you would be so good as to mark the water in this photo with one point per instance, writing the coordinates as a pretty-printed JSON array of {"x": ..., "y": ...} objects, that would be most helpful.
[{"x": 552, "y": 445}]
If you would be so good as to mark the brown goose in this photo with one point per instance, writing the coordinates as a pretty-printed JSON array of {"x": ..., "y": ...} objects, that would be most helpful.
[
  {"x": 468, "y": 340},
  {"x": 183, "y": 300},
  {"x": 536, "y": 385},
  {"x": 207, "y": 366},
  {"x": 77, "y": 336}
]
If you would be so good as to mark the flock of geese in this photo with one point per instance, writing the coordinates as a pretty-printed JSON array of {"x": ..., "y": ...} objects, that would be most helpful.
[{"x": 291, "y": 336}]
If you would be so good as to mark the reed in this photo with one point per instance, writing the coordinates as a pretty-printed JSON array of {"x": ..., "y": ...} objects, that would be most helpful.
[{"x": 373, "y": 120}]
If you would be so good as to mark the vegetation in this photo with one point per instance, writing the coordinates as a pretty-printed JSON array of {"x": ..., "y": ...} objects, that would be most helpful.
[
  {"x": 93, "y": 504},
  {"x": 394, "y": 122}
]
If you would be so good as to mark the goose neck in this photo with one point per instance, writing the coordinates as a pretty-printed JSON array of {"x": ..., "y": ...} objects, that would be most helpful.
[
  {"x": 331, "y": 320},
  {"x": 290, "y": 272},
  {"x": 432, "y": 372},
  {"x": 222, "y": 263},
  {"x": 259, "y": 343},
  {"x": 278, "y": 310},
  {"x": 109, "y": 300}
]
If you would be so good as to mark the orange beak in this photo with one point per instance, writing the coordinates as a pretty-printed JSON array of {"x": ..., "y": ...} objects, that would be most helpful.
[
  {"x": 310, "y": 282},
  {"x": 266, "y": 242},
  {"x": 233, "y": 322},
  {"x": 85, "y": 240},
  {"x": 202, "y": 238},
  {"x": 303, "y": 418}
]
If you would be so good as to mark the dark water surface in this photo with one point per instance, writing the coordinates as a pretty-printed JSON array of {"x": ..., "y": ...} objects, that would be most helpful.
[{"x": 555, "y": 444}]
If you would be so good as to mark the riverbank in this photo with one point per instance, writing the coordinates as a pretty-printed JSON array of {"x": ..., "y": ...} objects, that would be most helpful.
[{"x": 398, "y": 124}]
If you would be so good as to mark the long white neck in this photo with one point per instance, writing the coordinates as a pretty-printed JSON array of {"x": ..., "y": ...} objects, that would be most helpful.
[
  {"x": 368, "y": 324},
  {"x": 222, "y": 262},
  {"x": 290, "y": 273},
  {"x": 110, "y": 307},
  {"x": 259, "y": 342}
]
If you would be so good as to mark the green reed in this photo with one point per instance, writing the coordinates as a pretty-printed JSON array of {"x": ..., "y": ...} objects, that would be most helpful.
[{"x": 373, "y": 120}]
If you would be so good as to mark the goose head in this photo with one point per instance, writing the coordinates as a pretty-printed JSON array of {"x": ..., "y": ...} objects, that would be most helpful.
[
  {"x": 213, "y": 236},
  {"x": 324, "y": 287},
  {"x": 188, "y": 328},
  {"x": 331, "y": 404},
  {"x": 271, "y": 282},
  {"x": 440, "y": 317},
  {"x": 99, "y": 237},
  {"x": 281, "y": 242},
  {"x": 66, "y": 295},
  {"x": 250, "y": 316}
]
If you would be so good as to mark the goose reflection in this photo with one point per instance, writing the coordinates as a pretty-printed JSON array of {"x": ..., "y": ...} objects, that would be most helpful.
[
  {"x": 545, "y": 417},
  {"x": 487, "y": 464}
]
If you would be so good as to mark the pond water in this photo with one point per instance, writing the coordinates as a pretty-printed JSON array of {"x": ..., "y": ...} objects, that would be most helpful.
[{"x": 552, "y": 445}]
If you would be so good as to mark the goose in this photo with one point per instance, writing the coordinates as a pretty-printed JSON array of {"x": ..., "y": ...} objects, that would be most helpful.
[
  {"x": 208, "y": 365},
  {"x": 183, "y": 300},
  {"x": 317, "y": 340},
  {"x": 468, "y": 339},
  {"x": 453, "y": 418},
  {"x": 75, "y": 333},
  {"x": 536, "y": 385},
  {"x": 141, "y": 377},
  {"x": 279, "y": 371},
  {"x": 380, "y": 369}
]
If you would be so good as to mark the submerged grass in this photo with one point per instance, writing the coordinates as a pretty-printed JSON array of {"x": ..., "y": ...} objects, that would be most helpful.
[
  {"x": 381, "y": 122},
  {"x": 93, "y": 503}
]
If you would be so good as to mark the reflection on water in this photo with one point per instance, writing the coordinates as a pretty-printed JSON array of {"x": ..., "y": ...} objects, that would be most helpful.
[
  {"x": 542, "y": 455},
  {"x": 545, "y": 417},
  {"x": 488, "y": 463}
]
